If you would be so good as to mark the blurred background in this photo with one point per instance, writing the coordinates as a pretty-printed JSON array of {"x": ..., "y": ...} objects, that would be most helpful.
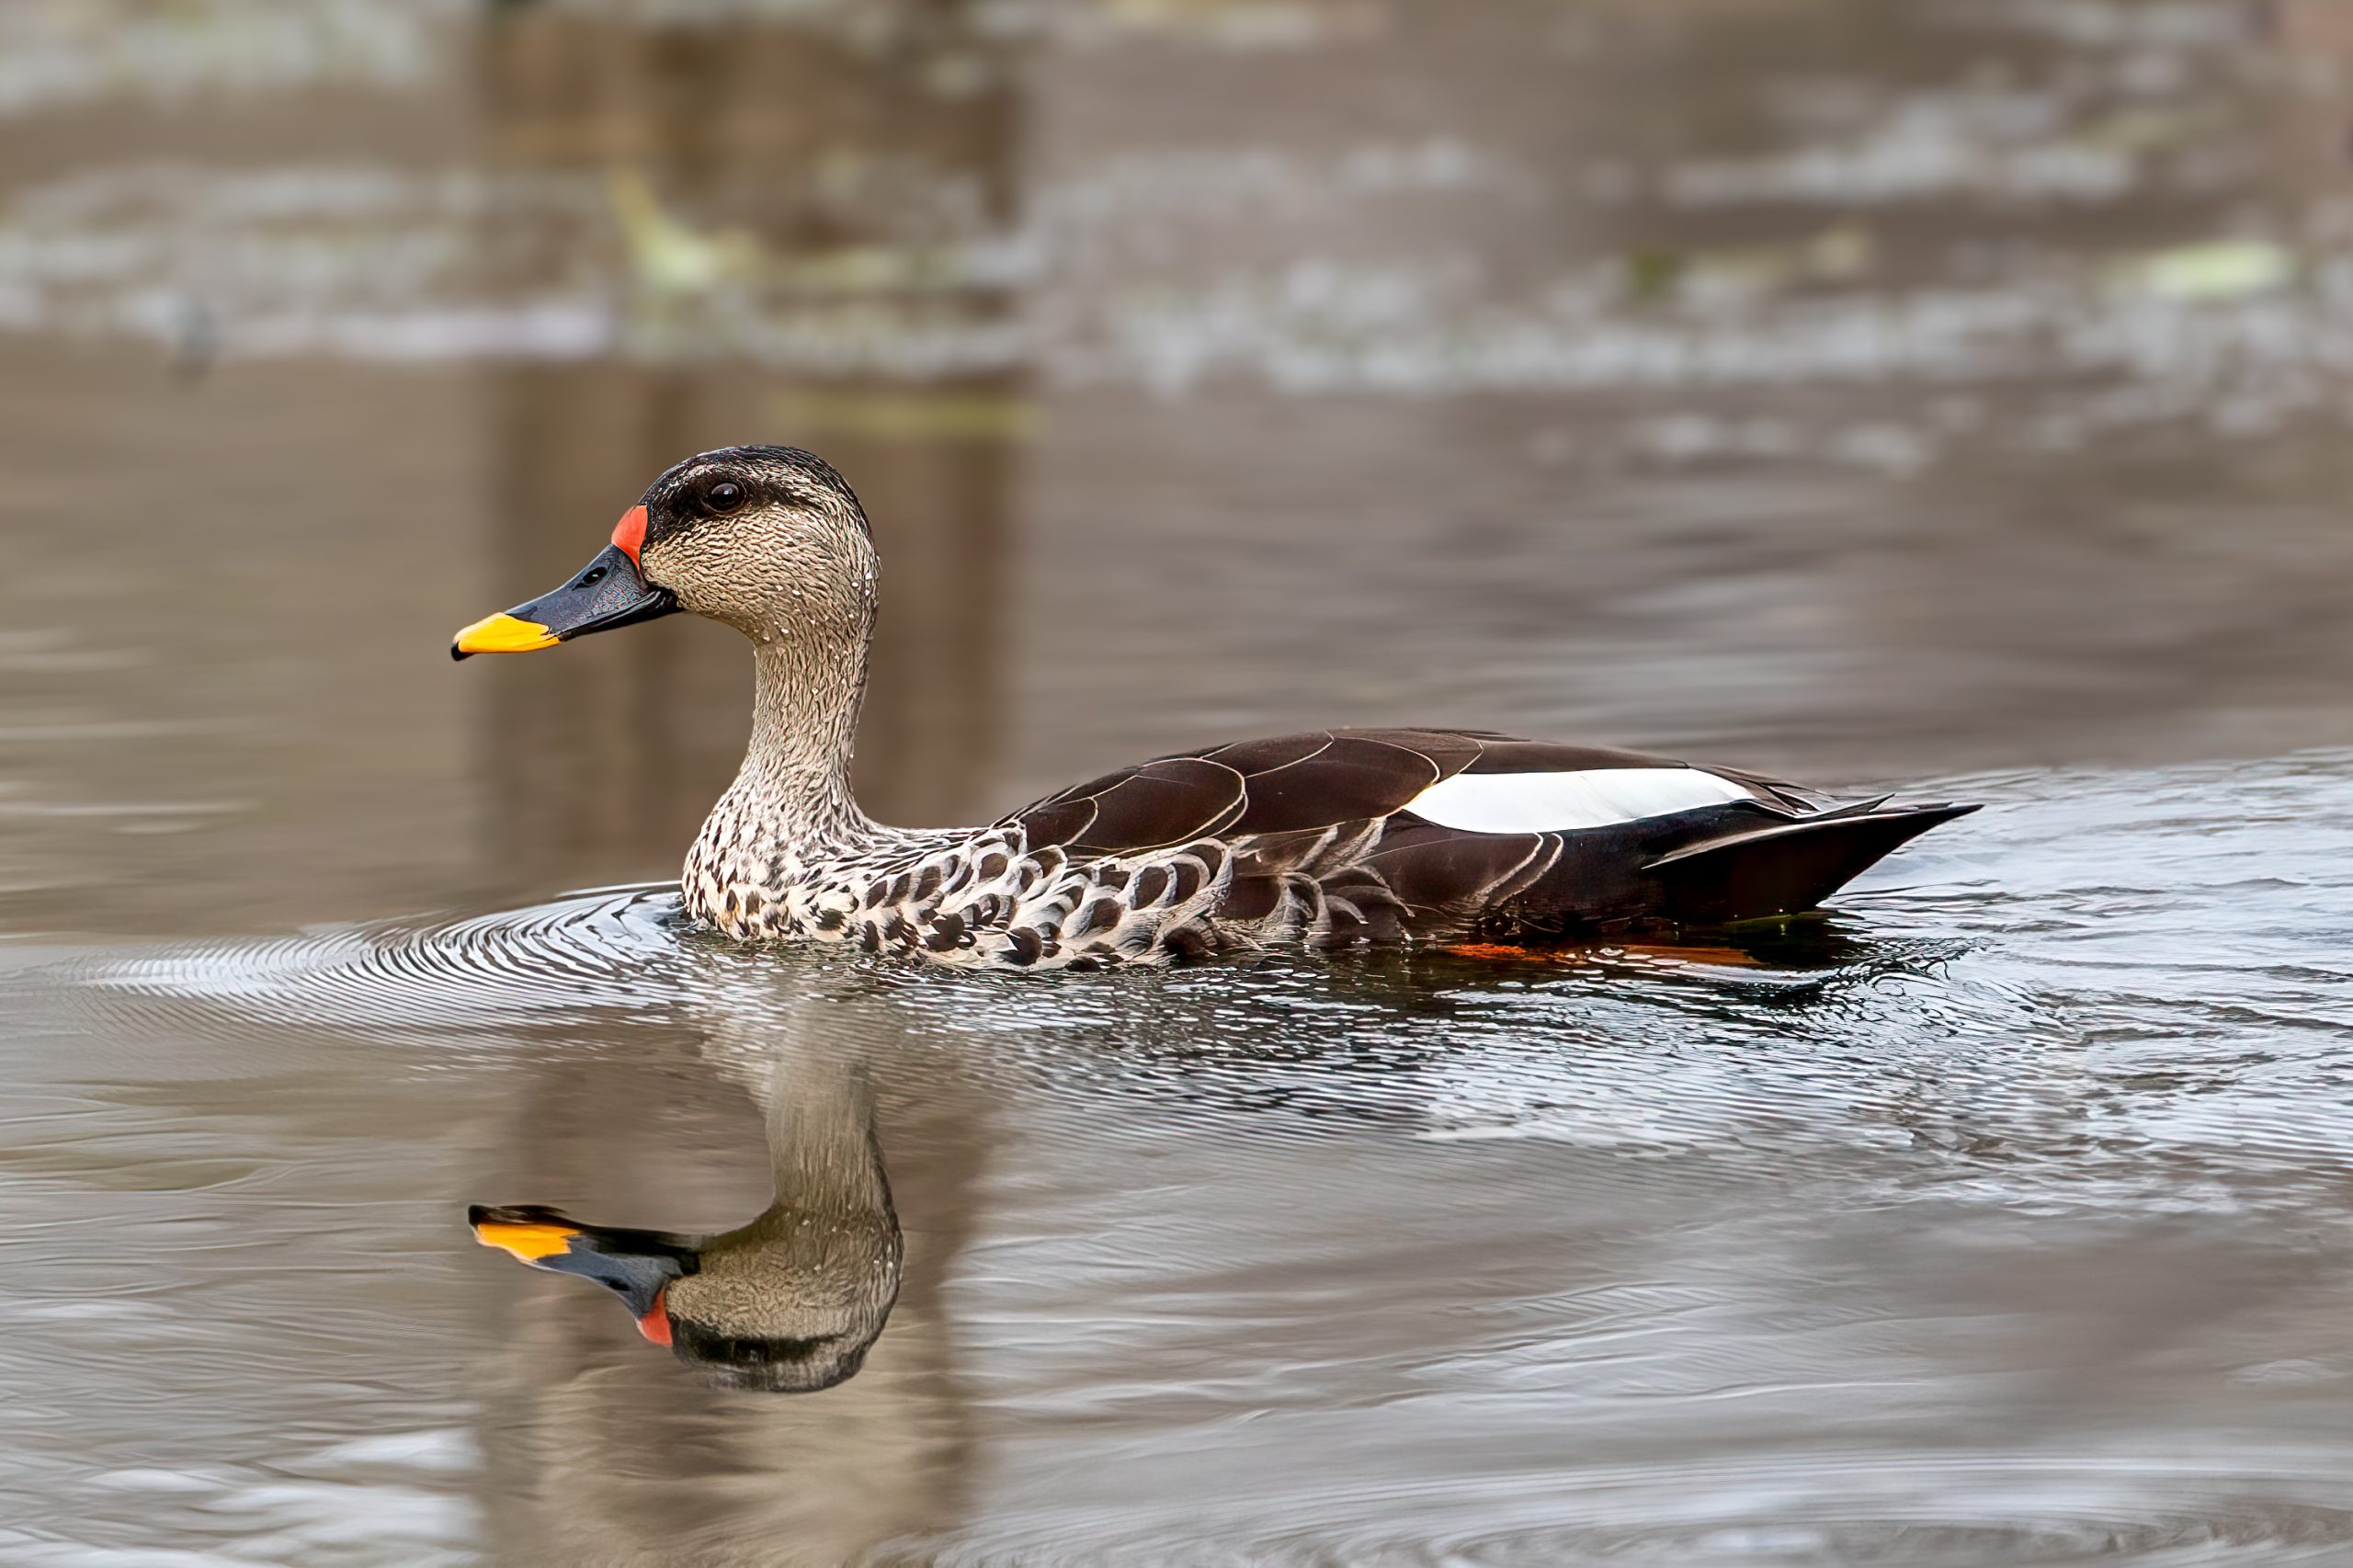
[
  {"x": 1853, "y": 388},
  {"x": 1944, "y": 393}
]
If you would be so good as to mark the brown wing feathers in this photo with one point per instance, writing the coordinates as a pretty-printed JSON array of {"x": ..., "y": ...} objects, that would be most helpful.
[
  {"x": 1443, "y": 873},
  {"x": 1321, "y": 841},
  {"x": 1281, "y": 785},
  {"x": 1288, "y": 783},
  {"x": 1159, "y": 805},
  {"x": 1352, "y": 779}
]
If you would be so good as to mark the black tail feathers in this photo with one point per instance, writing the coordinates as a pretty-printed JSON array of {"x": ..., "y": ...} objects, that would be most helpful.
[{"x": 1788, "y": 867}]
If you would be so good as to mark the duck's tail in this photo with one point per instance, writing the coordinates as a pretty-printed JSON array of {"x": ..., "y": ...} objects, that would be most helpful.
[{"x": 1787, "y": 867}]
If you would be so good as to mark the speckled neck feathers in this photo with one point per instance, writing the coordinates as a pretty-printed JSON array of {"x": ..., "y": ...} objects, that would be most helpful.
[
  {"x": 805, "y": 720},
  {"x": 790, "y": 808}
]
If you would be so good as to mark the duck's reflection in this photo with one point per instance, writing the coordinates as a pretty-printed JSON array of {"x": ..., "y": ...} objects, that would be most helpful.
[{"x": 788, "y": 1304}]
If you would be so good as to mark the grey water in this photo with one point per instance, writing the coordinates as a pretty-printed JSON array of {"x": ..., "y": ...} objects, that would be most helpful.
[
  {"x": 1947, "y": 397},
  {"x": 1999, "y": 1217}
]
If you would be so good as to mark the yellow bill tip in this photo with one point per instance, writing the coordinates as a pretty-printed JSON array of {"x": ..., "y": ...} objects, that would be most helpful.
[
  {"x": 501, "y": 633},
  {"x": 528, "y": 1241}
]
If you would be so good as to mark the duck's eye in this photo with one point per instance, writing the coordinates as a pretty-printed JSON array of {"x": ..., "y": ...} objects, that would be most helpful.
[{"x": 724, "y": 496}]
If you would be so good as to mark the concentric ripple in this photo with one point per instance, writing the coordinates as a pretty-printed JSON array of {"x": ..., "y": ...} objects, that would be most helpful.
[{"x": 594, "y": 952}]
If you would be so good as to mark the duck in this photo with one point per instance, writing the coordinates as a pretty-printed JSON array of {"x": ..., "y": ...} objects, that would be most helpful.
[
  {"x": 776, "y": 1306},
  {"x": 1326, "y": 840},
  {"x": 790, "y": 1302}
]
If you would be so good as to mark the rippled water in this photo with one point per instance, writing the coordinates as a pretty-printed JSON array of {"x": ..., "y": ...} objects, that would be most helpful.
[
  {"x": 1860, "y": 390},
  {"x": 1999, "y": 1217}
]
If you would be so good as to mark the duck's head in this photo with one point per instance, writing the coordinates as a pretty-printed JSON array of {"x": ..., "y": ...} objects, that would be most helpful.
[
  {"x": 769, "y": 540},
  {"x": 788, "y": 1304}
]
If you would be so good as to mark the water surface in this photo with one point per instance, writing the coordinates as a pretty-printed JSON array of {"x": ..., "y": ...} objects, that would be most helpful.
[
  {"x": 1998, "y": 1217},
  {"x": 1874, "y": 392}
]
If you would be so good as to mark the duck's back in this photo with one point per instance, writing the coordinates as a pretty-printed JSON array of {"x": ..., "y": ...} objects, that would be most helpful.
[{"x": 1338, "y": 836}]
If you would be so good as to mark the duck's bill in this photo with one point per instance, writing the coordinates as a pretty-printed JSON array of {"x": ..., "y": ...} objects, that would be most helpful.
[
  {"x": 608, "y": 592},
  {"x": 634, "y": 1265},
  {"x": 531, "y": 1234}
]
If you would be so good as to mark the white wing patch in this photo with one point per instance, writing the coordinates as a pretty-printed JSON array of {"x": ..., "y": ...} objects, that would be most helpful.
[{"x": 1555, "y": 803}]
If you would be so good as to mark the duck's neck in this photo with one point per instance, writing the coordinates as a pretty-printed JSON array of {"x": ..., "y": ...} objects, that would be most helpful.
[
  {"x": 821, "y": 1131},
  {"x": 793, "y": 791}
]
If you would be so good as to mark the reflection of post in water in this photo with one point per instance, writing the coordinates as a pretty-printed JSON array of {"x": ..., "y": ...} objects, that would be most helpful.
[
  {"x": 783, "y": 215},
  {"x": 790, "y": 1302}
]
